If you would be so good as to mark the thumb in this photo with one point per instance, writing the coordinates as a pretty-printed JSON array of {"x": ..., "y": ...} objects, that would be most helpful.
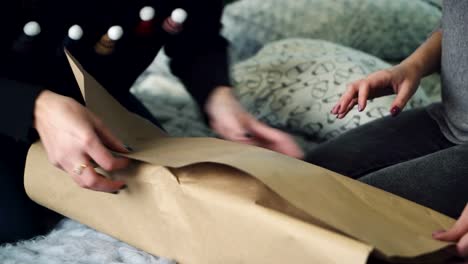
[
  {"x": 452, "y": 235},
  {"x": 404, "y": 94},
  {"x": 457, "y": 231},
  {"x": 107, "y": 137},
  {"x": 230, "y": 128},
  {"x": 261, "y": 131},
  {"x": 275, "y": 139}
]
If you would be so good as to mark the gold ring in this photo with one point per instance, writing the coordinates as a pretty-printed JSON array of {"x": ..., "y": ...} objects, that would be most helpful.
[{"x": 79, "y": 170}]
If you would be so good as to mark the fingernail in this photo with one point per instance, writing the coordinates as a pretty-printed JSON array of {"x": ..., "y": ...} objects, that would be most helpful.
[
  {"x": 116, "y": 192},
  {"x": 438, "y": 232},
  {"x": 395, "y": 111},
  {"x": 333, "y": 111},
  {"x": 124, "y": 187},
  {"x": 130, "y": 149},
  {"x": 360, "y": 108}
]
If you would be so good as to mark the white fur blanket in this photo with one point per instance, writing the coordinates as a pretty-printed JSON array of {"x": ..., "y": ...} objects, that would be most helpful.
[{"x": 74, "y": 243}]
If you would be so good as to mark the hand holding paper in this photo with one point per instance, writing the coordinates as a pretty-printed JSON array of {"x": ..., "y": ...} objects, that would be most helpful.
[
  {"x": 74, "y": 137},
  {"x": 458, "y": 233},
  {"x": 232, "y": 122}
]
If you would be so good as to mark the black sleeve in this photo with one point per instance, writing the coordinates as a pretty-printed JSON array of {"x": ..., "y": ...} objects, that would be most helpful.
[
  {"x": 17, "y": 95},
  {"x": 17, "y": 108},
  {"x": 199, "y": 52}
]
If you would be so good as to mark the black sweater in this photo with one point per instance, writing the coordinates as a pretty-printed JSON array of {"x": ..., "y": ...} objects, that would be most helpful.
[{"x": 198, "y": 53}]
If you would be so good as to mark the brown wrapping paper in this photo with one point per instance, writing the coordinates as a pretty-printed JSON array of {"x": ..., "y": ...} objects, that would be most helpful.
[{"x": 204, "y": 200}]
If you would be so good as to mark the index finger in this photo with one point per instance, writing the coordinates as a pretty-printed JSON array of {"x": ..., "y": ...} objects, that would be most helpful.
[
  {"x": 275, "y": 139},
  {"x": 90, "y": 179},
  {"x": 104, "y": 158},
  {"x": 348, "y": 96}
]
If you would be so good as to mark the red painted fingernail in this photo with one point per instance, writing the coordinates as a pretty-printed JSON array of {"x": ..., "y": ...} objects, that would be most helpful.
[{"x": 395, "y": 111}]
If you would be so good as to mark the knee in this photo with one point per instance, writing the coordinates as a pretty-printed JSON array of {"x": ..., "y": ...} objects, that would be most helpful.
[
  {"x": 321, "y": 157},
  {"x": 25, "y": 222},
  {"x": 16, "y": 225},
  {"x": 21, "y": 218},
  {"x": 336, "y": 159}
]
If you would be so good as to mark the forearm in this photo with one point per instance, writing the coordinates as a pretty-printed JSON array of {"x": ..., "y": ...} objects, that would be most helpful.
[
  {"x": 426, "y": 59},
  {"x": 199, "y": 53},
  {"x": 203, "y": 71},
  {"x": 17, "y": 108}
]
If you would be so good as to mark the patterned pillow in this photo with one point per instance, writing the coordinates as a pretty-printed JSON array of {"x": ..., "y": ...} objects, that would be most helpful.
[
  {"x": 293, "y": 85},
  {"x": 388, "y": 29}
]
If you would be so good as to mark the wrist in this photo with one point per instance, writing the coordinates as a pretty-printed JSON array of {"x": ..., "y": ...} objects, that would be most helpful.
[
  {"x": 220, "y": 95},
  {"x": 42, "y": 101},
  {"x": 221, "y": 91},
  {"x": 416, "y": 68}
]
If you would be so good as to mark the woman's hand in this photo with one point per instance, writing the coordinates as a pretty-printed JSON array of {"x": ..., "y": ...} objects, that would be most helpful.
[
  {"x": 76, "y": 140},
  {"x": 403, "y": 80},
  {"x": 232, "y": 122},
  {"x": 458, "y": 233}
]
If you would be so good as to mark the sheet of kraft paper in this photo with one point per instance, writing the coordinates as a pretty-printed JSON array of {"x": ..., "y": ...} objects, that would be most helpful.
[{"x": 205, "y": 200}]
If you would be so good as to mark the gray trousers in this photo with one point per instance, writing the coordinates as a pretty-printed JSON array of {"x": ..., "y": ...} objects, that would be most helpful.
[{"x": 407, "y": 156}]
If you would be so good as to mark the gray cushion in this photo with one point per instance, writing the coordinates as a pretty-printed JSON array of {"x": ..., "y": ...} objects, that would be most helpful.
[{"x": 388, "y": 29}]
